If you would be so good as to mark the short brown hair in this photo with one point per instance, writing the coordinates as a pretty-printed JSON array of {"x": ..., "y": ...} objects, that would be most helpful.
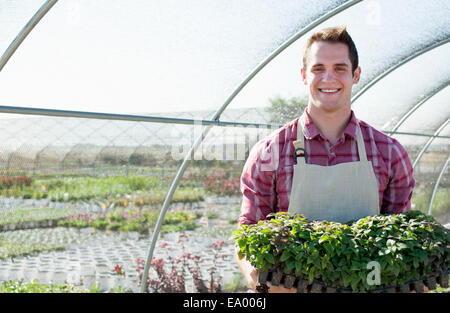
[{"x": 334, "y": 35}]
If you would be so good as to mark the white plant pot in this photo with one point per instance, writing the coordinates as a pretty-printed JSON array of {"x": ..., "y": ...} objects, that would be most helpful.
[
  {"x": 101, "y": 267},
  {"x": 133, "y": 235},
  {"x": 30, "y": 273},
  {"x": 132, "y": 284},
  {"x": 88, "y": 281},
  {"x": 119, "y": 281},
  {"x": 59, "y": 276},
  {"x": 43, "y": 276},
  {"x": 105, "y": 281},
  {"x": 87, "y": 269},
  {"x": 4, "y": 272}
]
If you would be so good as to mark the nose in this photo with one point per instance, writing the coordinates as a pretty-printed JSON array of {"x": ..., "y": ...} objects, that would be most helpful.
[{"x": 328, "y": 75}]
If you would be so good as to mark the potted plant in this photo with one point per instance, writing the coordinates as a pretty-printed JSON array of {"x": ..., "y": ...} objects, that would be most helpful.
[{"x": 410, "y": 249}]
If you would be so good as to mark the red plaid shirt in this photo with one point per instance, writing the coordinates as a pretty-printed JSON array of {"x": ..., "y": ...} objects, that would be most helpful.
[{"x": 266, "y": 179}]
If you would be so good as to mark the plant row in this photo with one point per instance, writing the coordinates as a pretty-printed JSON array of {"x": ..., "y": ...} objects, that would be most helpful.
[
  {"x": 116, "y": 190},
  {"x": 20, "y": 286},
  {"x": 13, "y": 249},
  {"x": 33, "y": 218},
  {"x": 128, "y": 220},
  {"x": 406, "y": 246}
]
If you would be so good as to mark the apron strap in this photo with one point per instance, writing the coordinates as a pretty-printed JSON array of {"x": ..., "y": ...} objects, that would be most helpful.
[
  {"x": 299, "y": 144},
  {"x": 361, "y": 146}
]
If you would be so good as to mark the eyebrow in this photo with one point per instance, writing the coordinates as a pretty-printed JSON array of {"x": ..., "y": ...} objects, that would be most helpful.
[{"x": 337, "y": 64}]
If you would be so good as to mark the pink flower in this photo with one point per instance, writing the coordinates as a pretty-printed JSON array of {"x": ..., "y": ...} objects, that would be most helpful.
[
  {"x": 218, "y": 244},
  {"x": 181, "y": 237},
  {"x": 118, "y": 269}
]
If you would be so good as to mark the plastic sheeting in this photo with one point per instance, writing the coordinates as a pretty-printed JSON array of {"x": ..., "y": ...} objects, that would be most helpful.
[{"x": 184, "y": 58}]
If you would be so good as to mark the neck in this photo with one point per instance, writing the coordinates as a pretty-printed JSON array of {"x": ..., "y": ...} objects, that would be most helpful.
[{"x": 330, "y": 124}]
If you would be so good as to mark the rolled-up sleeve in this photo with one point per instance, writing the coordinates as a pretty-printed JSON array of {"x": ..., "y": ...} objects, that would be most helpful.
[
  {"x": 397, "y": 196},
  {"x": 258, "y": 184}
]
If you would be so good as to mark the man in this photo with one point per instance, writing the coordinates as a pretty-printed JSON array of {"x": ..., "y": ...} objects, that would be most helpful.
[{"x": 326, "y": 164}]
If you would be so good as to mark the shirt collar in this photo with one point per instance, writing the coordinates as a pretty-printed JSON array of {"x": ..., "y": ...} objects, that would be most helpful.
[{"x": 310, "y": 131}]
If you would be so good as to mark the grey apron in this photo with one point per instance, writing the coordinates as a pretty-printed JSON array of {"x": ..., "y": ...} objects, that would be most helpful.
[{"x": 337, "y": 193}]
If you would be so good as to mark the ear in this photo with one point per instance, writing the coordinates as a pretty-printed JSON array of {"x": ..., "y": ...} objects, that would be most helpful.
[
  {"x": 357, "y": 75},
  {"x": 303, "y": 74}
]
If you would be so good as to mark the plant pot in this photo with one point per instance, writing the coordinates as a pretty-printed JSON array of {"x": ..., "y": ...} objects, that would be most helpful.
[
  {"x": 443, "y": 279},
  {"x": 59, "y": 276},
  {"x": 331, "y": 290},
  {"x": 316, "y": 288},
  {"x": 389, "y": 290},
  {"x": 302, "y": 286},
  {"x": 419, "y": 286},
  {"x": 262, "y": 276},
  {"x": 88, "y": 281},
  {"x": 29, "y": 273},
  {"x": 276, "y": 277},
  {"x": 43, "y": 276},
  {"x": 406, "y": 288},
  {"x": 15, "y": 273},
  {"x": 430, "y": 282},
  {"x": 288, "y": 281}
]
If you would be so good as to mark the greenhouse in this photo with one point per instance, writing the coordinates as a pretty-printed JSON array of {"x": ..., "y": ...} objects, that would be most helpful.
[{"x": 125, "y": 126}]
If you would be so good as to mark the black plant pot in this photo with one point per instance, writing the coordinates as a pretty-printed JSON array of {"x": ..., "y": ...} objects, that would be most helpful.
[
  {"x": 419, "y": 286},
  {"x": 262, "y": 276},
  {"x": 443, "y": 279},
  {"x": 430, "y": 282},
  {"x": 302, "y": 286},
  {"x": 317, "y": 288},
  {"x": 277, "y": 275},
  {"x": 288, "y": 281},
  {"x": 406, "y": 288}
]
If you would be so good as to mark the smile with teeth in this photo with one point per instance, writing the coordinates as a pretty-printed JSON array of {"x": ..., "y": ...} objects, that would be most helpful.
[{"x": 330, "y": 91}]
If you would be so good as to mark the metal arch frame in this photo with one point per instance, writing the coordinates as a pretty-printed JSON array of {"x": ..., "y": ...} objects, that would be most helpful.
[
  {"x": 79, "y": 144},
  {"x": 36, "y": 158},
  {"x": 397, "y": 65},
  {"x": 215, "y": 117},
  {"x": 29, "y": 26},
  {"x": 110, "y": 141},
  {"x": 436, "y": 185},
  {"x": 25, "y": 31},
  {"x": 11, "y": 154},
  {"x": 428, "y": 143},
  {"x": 62, "y": 162},
  {"x": 151, "y": 119},
  {"x": 419, "y": 156},
  {"x": 418, "y": 105}
]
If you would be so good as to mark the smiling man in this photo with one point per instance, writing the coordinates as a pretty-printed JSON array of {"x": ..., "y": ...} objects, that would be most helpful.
[{"x": 326, "y": 164}]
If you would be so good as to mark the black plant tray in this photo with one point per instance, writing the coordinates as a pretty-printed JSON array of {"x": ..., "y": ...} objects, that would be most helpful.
[{"x": 277, "y": 277}]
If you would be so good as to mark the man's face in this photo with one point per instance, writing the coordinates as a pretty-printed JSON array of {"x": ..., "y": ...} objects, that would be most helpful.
[{"x": 328, "y": 76}]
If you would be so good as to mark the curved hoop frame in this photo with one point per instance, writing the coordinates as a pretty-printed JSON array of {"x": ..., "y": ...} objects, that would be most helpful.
[{"x": 25, "y": 31}]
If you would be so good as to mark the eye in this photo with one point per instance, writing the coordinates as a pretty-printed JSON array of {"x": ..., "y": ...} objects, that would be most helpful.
[{"x": 341, "y": 69}]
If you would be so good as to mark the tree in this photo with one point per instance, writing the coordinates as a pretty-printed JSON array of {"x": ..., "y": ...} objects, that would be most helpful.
[{"x": 284, "y": 110}]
